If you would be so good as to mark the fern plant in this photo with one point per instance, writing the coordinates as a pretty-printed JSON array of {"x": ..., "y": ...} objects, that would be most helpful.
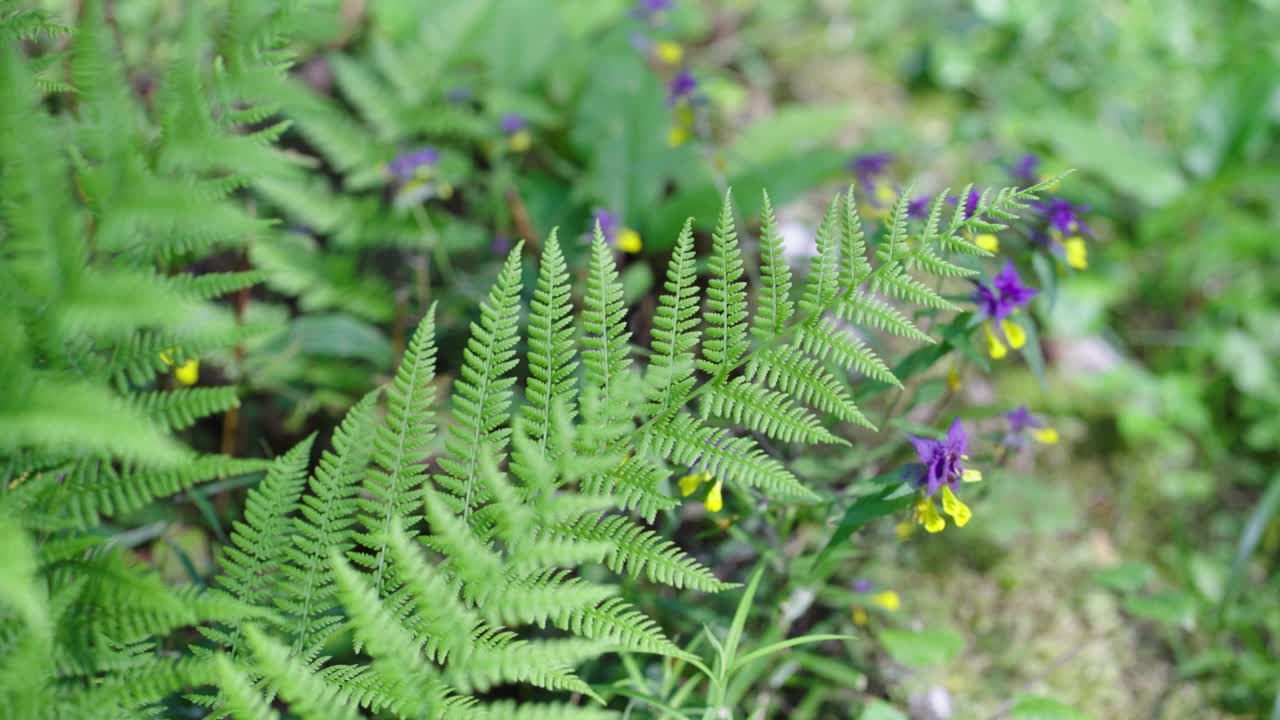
[
  {"x": 102, "y": 203},
  {"x": 478, "y": 575}
]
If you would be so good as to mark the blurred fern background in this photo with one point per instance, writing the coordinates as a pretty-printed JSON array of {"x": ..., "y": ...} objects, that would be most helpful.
[{"x": 510, "y": 358}]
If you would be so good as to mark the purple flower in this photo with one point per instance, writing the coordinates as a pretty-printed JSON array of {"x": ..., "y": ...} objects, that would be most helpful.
[
  {"x": 650, "y": 9},
  {"x": 1025, "y": 169},
  {"x": 682, "y": 87},
  {"x": 410, "y": 164},
  {"x": 1005, "y": 294},
  {"x": 869, "y": 166},
  {"x": 1021, "y": 419},
  {"x": 918, "y": 208},
  {"x": 1063, "y": 216},
  {"x": 862, "y": 586},
  {"x": 608, "y": 222},
  {"x": 501, "y": 245},
  {"x": 513, "y": 123},
  {"x": 940, "y": 462}
]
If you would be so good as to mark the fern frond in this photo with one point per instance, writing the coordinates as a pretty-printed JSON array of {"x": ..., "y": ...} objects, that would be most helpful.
[
  {"x": 621, "y": 624},
  {"x": 96, "y": 489},
  {"x": 725, "y": 339},
  {"x": 849, "y": 352},
  {"x": 788, "y": 369},
  {"x": 861, "y": 308},
  {"x": 774, "y": 306},
  {"x": 242, "y": 701},
  {"x": 401, "y": 447},
  {"x": 686, "y": 442},
  {"x": 605, "y": 339},
  {"x": 551, "y": 348},
  {"x": 897, "y": 283},
  {"x": 771, "y": 412},
  {"x": 181, "y": 408},
  {"x": 482, "y": 393},
  {"x": 309, "y": 696},
  {"x": 211, "y": 285},
  {"x": 252, "y": 562},
  {"x": 675, "y": 324},
  {"x": 328, "y": 512},
  {"x": 636, "y": 485},
  {"x": 822, "y": 284},
  {"x": 854, "y": 268},
  {"x": 410, "y": 678},
  {"x": 634, "y": 549}
]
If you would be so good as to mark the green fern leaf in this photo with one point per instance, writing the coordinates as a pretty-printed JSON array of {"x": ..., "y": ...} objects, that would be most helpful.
[
  {"x": 328, "y": 513},
  {"x": 634, "y": 549},
  {"x": 684, "y": 441},
  {"x": 771, "y": 412},
  {"x": 725, "y": 340},
  {"x": 401, "y": 448},
  {"x": 605, "y": 349},
  {"x": 482, "y": 392},
  {"x": 675, "y": 324},
  {"x": 551, "y": 349},
  {"x": 774, "y": 306}
]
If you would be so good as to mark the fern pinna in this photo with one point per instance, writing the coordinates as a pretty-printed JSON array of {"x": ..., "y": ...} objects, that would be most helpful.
[{"x": 456, "y": 582}]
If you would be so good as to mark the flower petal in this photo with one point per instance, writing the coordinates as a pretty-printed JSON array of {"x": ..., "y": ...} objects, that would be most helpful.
[
  {"x": 887, "y": 599},
  {"x": 1048, "y": 435},
  {"x": 1014, "y": 333},
  {"x": 957, "y": 438},
  {"x": 956, "y": 508},
  {"x": 715, "y": 498},
  {"x": 994, "y": 345},
  {"x": 689, "y": 483},
  {"x": 927, "y": 515}
]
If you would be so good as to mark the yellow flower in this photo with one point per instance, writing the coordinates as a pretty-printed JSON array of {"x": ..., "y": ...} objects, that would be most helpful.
[
  {"x": 669, "y": 52},
  {"x": 1048, "y": 435},
  {"x": 715, "y": 499},
  {"x": 994, "y": 345},
  {"x": 953, "y": 379},
  {"x": 927, "y": 515},
  {"x": 188, "y": 373},
  {"x": 724, "y": 523},
  {"x": 1077, "y": 253},
  {"x": 677, "y": 135},
  {"x": 520, "y": 141},
  {"x": 689, "y": 483},
  {"x": 887, "y": 599},
  {"x": 987, "y": 242},
  {"x": 885, "y": 194},
  {"x": 904, "y": 530},
  {"x": 629, "y": 241},
  {"x": 859, "y": 616},
  {"x": 1014, "y": 335},
  {"x": 971, "y": 476},
  {"x": 954, "y": 507}
]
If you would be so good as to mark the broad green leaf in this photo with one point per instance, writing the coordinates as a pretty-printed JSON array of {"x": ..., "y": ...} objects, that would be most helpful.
[
  {"x": 867, "y": 508},
  {"x": 1033, "y": 707},
  {"x": 786, "y": 133},
  {"x": 342, "y": 336},
  {"x": 932, "y": 647},
  {"x": 1125, "y": 577},
  {"x": 1169, "y": 608},
  {"x": 1128, "y": 163},
  {"x": 880, "y": 710}
]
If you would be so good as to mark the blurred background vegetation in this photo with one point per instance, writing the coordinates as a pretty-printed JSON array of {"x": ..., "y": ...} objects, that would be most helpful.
[{"x": 1129, "y": 571}]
